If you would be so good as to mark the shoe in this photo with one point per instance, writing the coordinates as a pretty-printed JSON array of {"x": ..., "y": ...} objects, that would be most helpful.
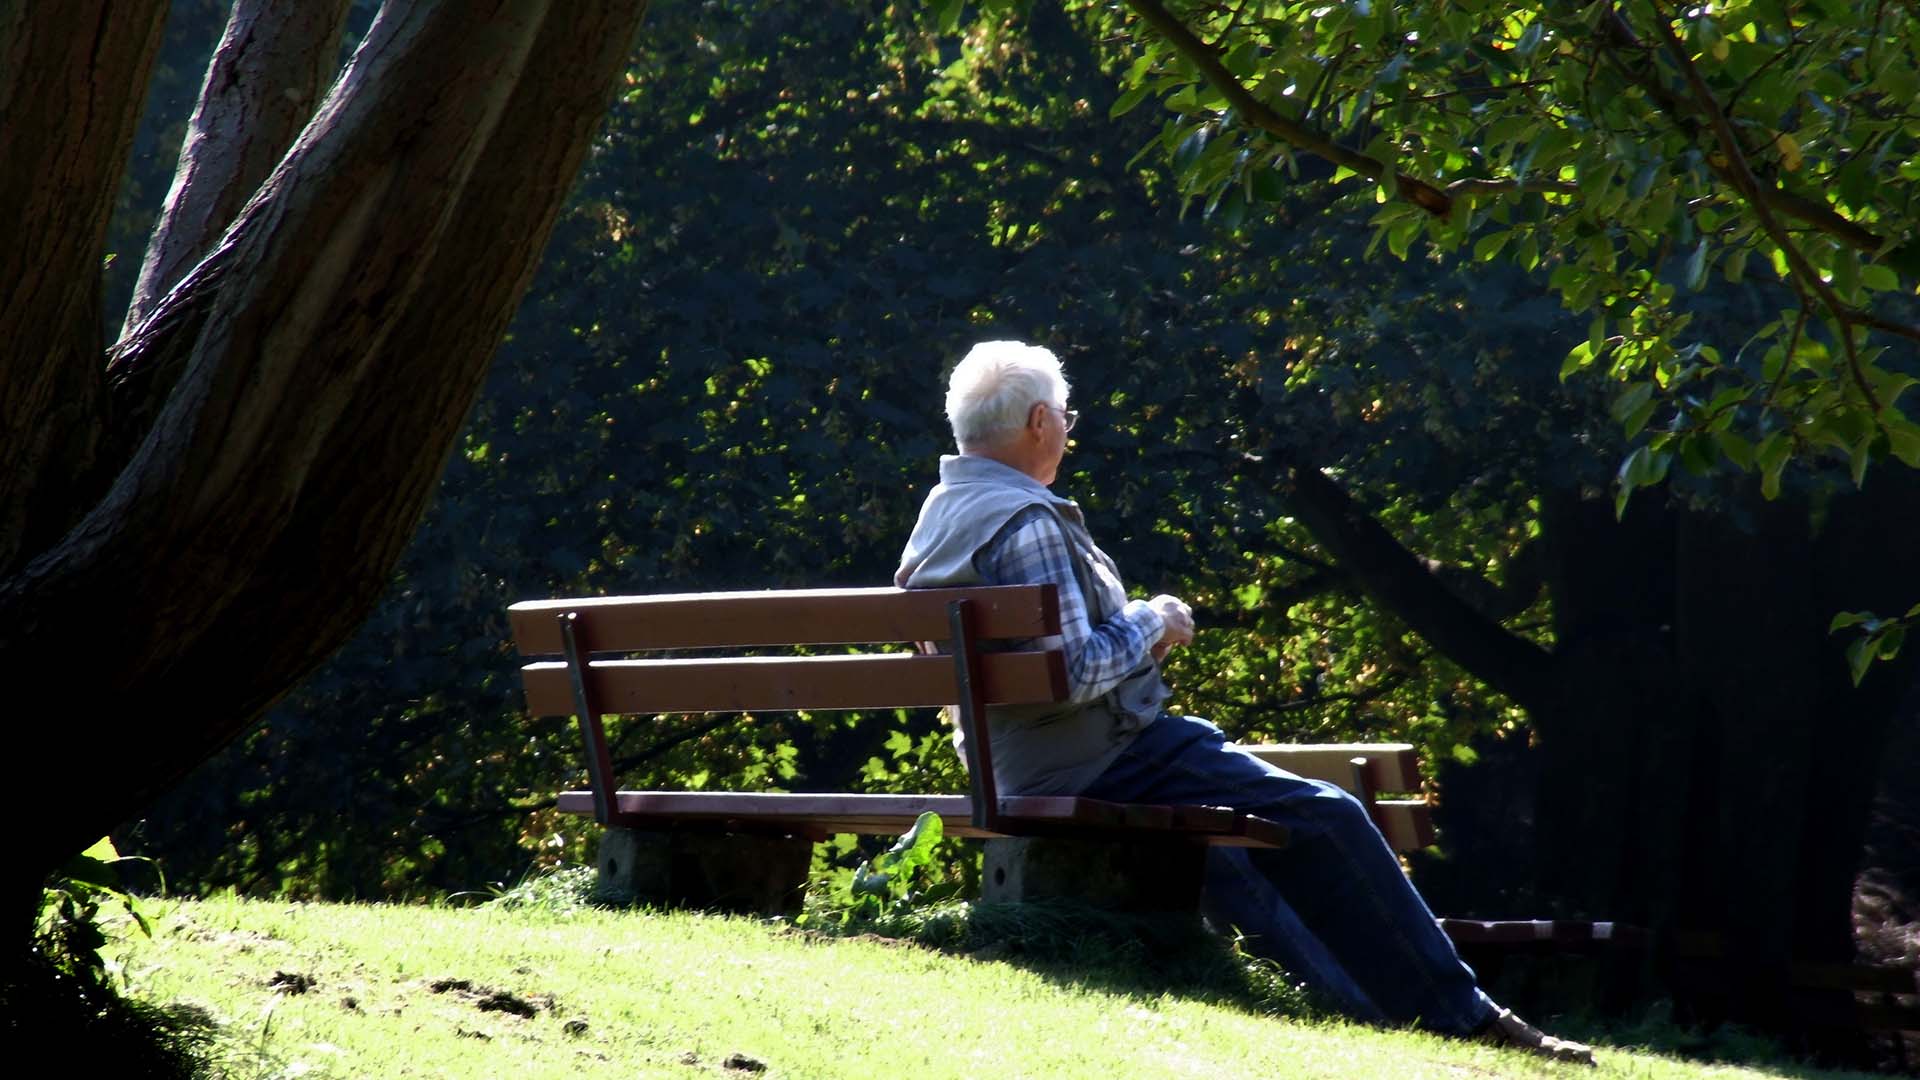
[{"x": 1506, "y": 1029}]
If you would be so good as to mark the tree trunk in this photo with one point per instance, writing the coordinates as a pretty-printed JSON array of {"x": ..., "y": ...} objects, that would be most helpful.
[
  {"x": 304, "y": 383},
  {"x": 72, "y": 80},
  {"x": 260, "y": 90}
]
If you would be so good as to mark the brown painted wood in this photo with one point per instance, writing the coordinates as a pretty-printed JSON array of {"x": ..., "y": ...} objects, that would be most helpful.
[
  {"x": 1406, "y": 823},
  {"x": 1516, "y": 932},
  {"x": 1394, "y": 767},
  {"x": 1391, "y": 767},
  {"x": 969, "y": 712},
  {"x": 1203, "y": 818},
  {"x": 782, "y": 617},
  {"x": 1251, "y": 831},
  {"x": 770, "y": 683},
  {"x": 1020, "y": 815}
]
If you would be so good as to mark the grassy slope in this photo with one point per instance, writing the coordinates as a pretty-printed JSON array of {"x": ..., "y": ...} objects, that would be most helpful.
[{"x": 678, "y": 995}]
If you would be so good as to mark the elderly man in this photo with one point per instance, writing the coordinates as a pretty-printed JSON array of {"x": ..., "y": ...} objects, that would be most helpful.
[{"x": 1333, "y": 907}]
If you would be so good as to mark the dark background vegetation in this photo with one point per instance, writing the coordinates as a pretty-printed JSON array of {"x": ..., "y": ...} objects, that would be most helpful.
[{"x": 728, "y": 375}]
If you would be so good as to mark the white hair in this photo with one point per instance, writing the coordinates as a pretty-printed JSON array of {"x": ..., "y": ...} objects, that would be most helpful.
[{"x": 994, "y": 387}]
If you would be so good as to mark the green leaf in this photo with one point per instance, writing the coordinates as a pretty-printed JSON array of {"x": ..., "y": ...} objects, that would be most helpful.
[
  {"x": 947, "y": 13},
  {"x": 1859, "y": 455},
  {"x": 1890, "y": 643},
  {"x": 1697, "y": 267},
  {"x": 1633, "y": 473},
  {"x": 1577, "y": 357},
  {"x": 1860, "y": 654},
  {"x": 1849, "y": 618},
  {"x": 1903, "y": 440},
  {"x": 1879, "y": 278},
  {"x": 1631, "y": 399},
  {"x": 91, "y": 871},
  {"x": 1489, "y": 245},
  {"x": 1530, "y": 39},
  {"x": 1771, "y": 457},
  {"x": 1125, "y": 103},
  {"x": 915, "y": 847},
  {"x": 1737, "y": 449},
  {"x": 1191, "y": 147}
]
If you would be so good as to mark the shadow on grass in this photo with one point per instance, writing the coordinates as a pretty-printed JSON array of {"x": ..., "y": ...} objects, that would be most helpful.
[
  {"x": 1149, "y": 956},
  {"x": 76, "y": 1027}
]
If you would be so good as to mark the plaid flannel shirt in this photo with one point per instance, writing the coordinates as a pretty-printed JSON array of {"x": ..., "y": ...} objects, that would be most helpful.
[{"x": 1031, "y": 549}]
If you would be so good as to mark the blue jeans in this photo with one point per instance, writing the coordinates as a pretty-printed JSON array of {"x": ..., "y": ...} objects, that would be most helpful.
[{"x": 1333, "y": 907}]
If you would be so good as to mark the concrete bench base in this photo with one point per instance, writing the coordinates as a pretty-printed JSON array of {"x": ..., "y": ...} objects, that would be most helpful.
[
  {"x": 748, "y": 874},
  {"x": 1133, "y": 875},
  {"x": 767, "y": 875}
]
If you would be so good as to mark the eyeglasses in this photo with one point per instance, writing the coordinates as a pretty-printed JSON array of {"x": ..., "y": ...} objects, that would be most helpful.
[{"x": 1068, "y": 417}]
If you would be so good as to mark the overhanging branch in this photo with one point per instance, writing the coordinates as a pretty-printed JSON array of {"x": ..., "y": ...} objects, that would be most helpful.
[
  {"x": 1434, "y": 200},
  {"x": 1395, "y": 578},
  {"x": 1617, "y": 36}
]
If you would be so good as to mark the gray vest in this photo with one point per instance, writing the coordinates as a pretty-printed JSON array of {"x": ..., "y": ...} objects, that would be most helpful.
[{"x": 1049, "y": 749}]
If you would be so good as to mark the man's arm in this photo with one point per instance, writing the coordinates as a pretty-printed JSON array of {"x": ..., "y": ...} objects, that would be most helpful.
[{"x": 1031, "y": 549}]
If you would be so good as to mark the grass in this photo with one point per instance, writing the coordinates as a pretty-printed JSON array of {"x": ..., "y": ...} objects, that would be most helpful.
[{"x": 538, "y": 986}]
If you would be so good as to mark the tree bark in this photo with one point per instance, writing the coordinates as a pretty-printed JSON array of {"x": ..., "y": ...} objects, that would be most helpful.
[
  {"x": 309, "y": 376},
  {"x": 73, "y": 77},
  {"x": 260, "y": 90}
]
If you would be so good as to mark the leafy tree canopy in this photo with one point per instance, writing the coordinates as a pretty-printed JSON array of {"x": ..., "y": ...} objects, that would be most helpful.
[
  {"x": 727, "y": 375},
  {"x": 1634, "y": 152}
]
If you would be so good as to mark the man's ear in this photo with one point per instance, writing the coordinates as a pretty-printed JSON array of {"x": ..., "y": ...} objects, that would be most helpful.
[{"x": 1036, "y": 418}]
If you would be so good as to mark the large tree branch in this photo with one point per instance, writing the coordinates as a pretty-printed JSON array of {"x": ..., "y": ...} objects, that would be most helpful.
[
  {"x": 1438, "y": 200},
  {"x": 1524, "y": 572},
  {"x": 333, "y": 341},
  {"x": 1427, "y": 196},
  {"x": 1741, "y": 176},
  {"x": 260, "y": 90},
  {"x": 72, "y": 80},
  {"x": 1618, "y": 37},
  {"x": 1397, "y": 579}
]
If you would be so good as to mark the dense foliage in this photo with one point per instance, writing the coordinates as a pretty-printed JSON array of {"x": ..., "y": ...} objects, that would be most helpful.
[
  {"x": 1631, "y": 150},
  {"x": 728, "y": 375}
]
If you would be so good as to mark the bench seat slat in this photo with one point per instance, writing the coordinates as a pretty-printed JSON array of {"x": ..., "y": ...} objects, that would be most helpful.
[
  {"x": 769, "y": 683},
  {"x": 780, "y": 617},
  {"x": 1390, "y": 766},
  {"x": 890, "y": 814},
  {"x": 1406, "y": 823}
]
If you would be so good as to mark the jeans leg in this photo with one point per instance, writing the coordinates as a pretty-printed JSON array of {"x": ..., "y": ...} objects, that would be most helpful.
[
  {"x": 1334, "y": 901},
  {"x": 1238, "y": 897}
]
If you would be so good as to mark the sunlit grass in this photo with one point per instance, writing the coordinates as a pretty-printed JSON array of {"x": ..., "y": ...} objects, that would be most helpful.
[{"x": 538, "y": 991}]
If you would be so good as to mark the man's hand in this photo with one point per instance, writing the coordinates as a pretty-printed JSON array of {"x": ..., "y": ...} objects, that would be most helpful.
[{"x": 1177, "y": 617}]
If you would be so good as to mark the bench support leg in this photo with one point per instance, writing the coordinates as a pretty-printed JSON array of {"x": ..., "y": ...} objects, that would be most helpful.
[
  {"x": 1134, "y": 875},
  {"x": 761, "y": 875}
]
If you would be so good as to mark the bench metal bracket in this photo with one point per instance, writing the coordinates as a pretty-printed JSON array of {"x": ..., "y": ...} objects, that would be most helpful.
[
  {"x": 599, "y": 761},
  {"x": 971, "y": 709}
]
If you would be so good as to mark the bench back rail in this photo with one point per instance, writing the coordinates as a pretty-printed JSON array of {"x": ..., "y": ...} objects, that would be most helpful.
[
  {"x": 587, "y": 682},
  {"x": 1366, "y": 771}
]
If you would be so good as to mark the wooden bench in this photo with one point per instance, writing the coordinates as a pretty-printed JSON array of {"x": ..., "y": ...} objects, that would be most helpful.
[
  {"x": 578, "y": 650},
  {"x": 667, "y": 846}
]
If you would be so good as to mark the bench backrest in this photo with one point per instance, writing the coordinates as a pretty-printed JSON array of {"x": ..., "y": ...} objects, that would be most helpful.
[
  {"x": 581, "y": 679},
  {"x": 1367, "y": 771}
]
